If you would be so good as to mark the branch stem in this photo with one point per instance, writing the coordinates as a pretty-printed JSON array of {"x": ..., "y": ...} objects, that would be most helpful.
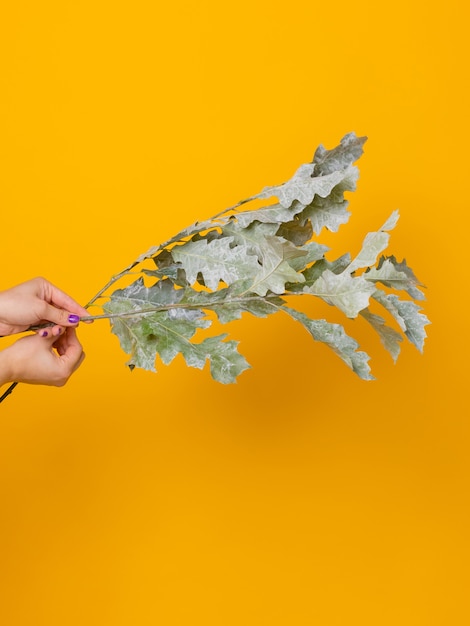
[
  {"x": 186, "y": 305},
  {"x": 111, "y": 281}
]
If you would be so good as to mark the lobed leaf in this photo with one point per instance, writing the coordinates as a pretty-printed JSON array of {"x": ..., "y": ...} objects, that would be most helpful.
[
  {"x": 348, "y": 293},
  {"x": 395, "y": 275},
  {"x": 388, "y": 336},
  {"x": 217, "y": 260},
  {"x": 374, "y": 244},
  {"x": 226, "y": 363},
  {"x": 342, "y": 156},
  {"x": 303, "y": 186},
  {"x": 335, "y": 337},
  {"x": 408, "y": 316}
]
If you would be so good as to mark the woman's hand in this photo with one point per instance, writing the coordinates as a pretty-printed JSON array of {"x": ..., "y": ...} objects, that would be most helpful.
[
  {"x": 48, "y": 358},
  {"x": 36, "y": 301}
]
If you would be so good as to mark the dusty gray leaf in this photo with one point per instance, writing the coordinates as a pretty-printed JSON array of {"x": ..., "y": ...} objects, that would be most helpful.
[
  {"x": 303, "y": 186},
  {"x": 316, "y": 270},
  {"x": 374, "y": 244},
  {"x": 340, "y": 157},
  {"x": 408, "y": 316},
  {"x": 313, "y": 252},
  {"x": 274, "y": 214},
  {"x": 388, "y": 336},
  {"x": 218, "y": 260},
  {"x": 226, "y": 363},
  {"x": 335, "y": 337},
  {"x": 396, "y": 275},
  {"x": 350, "y": 294},
  {"x": 296, "y": 231},
  {"x": 275, "y": 270}
]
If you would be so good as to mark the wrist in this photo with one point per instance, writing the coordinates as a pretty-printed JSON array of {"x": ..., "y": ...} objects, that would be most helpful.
[{"x": 6, "y": 373}]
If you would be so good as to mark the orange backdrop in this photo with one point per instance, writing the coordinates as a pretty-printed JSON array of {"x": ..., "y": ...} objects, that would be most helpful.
[{"x": 301, "y": 495}]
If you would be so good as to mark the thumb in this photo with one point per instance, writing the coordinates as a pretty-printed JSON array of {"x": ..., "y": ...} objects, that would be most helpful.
[{"x": 59, "y": 316}]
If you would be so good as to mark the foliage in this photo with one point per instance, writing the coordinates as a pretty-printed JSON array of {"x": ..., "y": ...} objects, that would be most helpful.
[{"x": 259, "y": 261}]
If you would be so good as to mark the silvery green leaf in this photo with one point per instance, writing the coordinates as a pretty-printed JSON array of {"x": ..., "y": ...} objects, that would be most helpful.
[
  {"x": 138, "y": 297},
  {"x": 316, "y": 270},
  {"x": 187, "y": 232},
  {"x": 296, "y": 231},
  {"x": 407, "y": 314},
  {"x": 374, "y": 244},
  {"x": 230, "y": 302},
  {"x": 217, "y": 260},
  {"x": 395, "y": 275},
  {"x": 313, "y": 252},
  {"x": 348, "y": 151},
  {"x": 171, "y": 336},
  {"x": 167, "y": 272},
  {"x": 144, "y": 330},
  {"x": 348, "y": 183},
  {"x": 348, "y": 293},
  {"x": 275, "y": 270},
  {"x": 257, "y": 306},
  {"x": 330, "y": 212},
  {"x": 386, "y": 273},
  {"x": 334, "y": 336},
  {"x": 272, "y": 253},
  {"x": 326, "y": 213},
  {"x": 275, "y": 255},
  {"x": 253, "y": 237},
  {"x": 303, "y": 186},
  {"x": 388, "y": 336},
  {"x": 157, "y": 333},
  {"x": 195, "y": 228},
  {"x": 135, "y": 343},
  {"x": 274, "y": 214},
  {"x": 226, "y": 363}
]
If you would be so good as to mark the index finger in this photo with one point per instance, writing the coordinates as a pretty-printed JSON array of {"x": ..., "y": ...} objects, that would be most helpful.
[{"x": 60, "y": 299}]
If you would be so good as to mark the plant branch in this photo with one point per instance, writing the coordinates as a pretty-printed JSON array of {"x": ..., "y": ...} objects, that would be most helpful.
[
  {"x": 111, "y": 282},
  {"x": 193, "y": 229},
  {"x": 186, "y": 305}
]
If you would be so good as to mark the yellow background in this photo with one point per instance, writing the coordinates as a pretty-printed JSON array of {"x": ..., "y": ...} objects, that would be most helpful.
[{"x": 302, "y": 495}]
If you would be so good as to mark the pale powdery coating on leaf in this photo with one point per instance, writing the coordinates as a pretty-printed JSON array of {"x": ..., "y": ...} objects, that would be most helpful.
[{"x": 260, "y": 262}]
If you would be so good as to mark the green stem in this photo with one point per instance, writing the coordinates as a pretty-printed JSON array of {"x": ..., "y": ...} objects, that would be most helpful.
[
  {"x": 111, "y": 281},
  {"x": 186, "y": 305}
]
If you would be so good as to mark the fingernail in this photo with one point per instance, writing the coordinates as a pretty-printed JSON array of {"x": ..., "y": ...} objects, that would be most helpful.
[
  {"x": 44, "y": 333},
  {"x": 74, "y": 319}
]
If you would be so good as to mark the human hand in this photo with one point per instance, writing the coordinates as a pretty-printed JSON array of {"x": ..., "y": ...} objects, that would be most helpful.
[
  {"x": 48, "y": 358},
  {"x": 36, "y": 301}
]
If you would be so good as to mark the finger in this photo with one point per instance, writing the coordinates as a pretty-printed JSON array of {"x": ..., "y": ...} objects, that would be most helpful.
[
  {"x": 72, "y": 351},
  {"x": 48, "y": 338},
  {"x": 57, "y": 331},
  {"x": 62, "y": 347},
  {"x": 79, "y": 362},
  {"x": 54, "y": 331},
  {"x": 60, "y": 299},
  {"x": 59, "y": 317}
]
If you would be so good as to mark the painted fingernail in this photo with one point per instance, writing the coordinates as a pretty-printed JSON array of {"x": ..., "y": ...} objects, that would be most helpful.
[
  {"x": 44, "y": 333},
  {"x": 74, "y": 319}
]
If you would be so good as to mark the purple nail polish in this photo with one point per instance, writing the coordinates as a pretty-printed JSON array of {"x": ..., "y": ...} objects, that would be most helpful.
[
  {"x": 74, "y": 319},
  {"x": 44, "y": 333}
]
